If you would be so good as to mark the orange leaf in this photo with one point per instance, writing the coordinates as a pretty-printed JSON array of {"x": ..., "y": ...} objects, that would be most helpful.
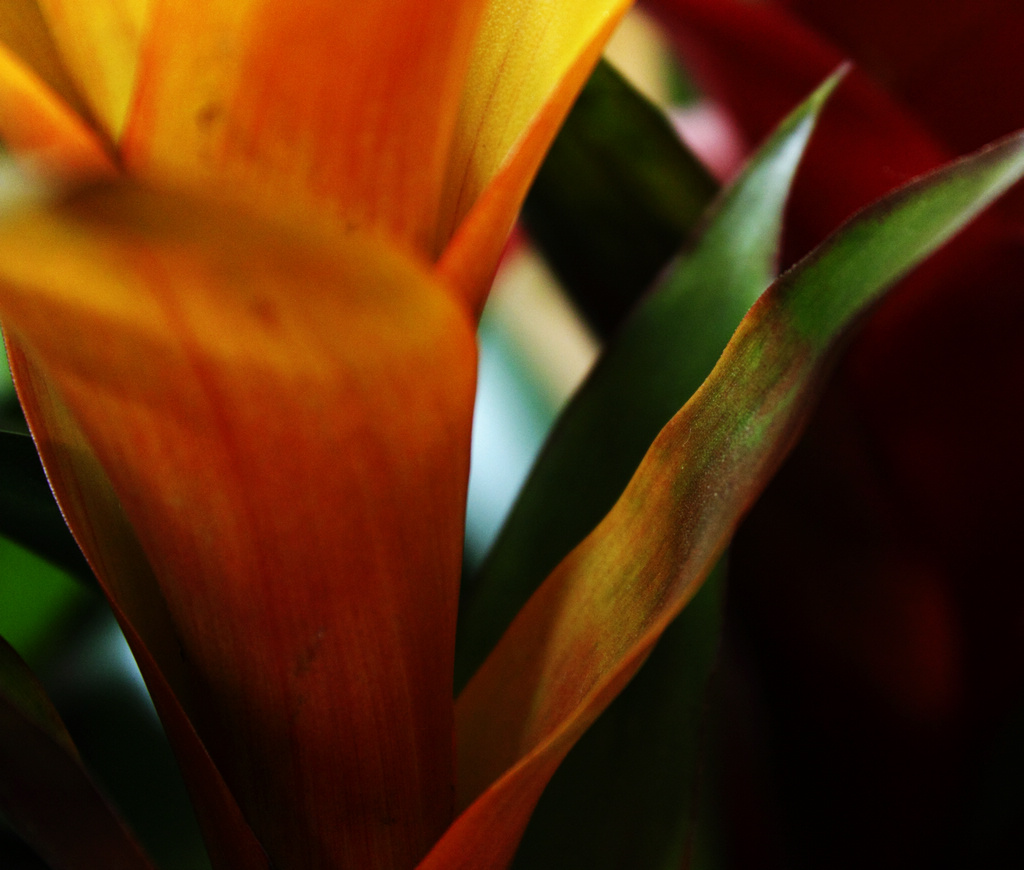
[
  {"x": 349, "y": 105},
  {"x": 285, "y": 418},
  {"x": 95, "y": 516}
]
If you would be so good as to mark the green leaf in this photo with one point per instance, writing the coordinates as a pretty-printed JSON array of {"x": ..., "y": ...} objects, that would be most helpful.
[
  {"x": 615, "y": 198},
  {"x": 659, "y": 359},
  {"x": 593, "y": 622},
  {"x": 28, "y": 512},
  {"x": 40, "y": 603},
  {"x": 45, "y": 794}
]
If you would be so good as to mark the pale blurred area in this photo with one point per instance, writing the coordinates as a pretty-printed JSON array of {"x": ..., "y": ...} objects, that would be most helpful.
[{"x": 640, "y": 52}]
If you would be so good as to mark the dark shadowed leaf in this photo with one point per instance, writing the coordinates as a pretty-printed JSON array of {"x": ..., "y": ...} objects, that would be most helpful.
[
  {"x": 45, "y": 794},
  {"x": 28, "y": 512},
  {"x": 615, "y": 198}
]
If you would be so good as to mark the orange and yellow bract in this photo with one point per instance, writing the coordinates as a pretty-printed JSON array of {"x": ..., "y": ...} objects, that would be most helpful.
[{"x": 248, "y": 361}]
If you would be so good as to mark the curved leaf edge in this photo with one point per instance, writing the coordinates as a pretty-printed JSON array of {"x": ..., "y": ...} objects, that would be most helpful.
[{"x": 558, "y": 666}]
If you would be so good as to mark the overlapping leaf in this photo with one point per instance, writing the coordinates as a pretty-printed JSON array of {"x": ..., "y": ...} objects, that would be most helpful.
[
  {"x": 45, "y": 116},
  {"x": 594, "y": 620},
  {"x": 529, "y": 63},
  {"x": 99, "y": 44},
  {"x": 615, "y": 198},
  {"x": 105, "y": 536},
  {"x": 45, "y": 793},
  {"x": 668, "y": 346},
  {"x": 911, "y": 478}
]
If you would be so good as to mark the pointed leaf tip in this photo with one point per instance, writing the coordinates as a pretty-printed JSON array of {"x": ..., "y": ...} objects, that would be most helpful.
[
  {"x": 883, "y": 241},
  {"x": 590, "y": 626}
]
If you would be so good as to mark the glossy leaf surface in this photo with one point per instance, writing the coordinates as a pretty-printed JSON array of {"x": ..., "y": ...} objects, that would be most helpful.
[
  {"x": 615, "y": 198},
  {"x": 45, "y": 793},
  {"x": 593, "y": 622}
]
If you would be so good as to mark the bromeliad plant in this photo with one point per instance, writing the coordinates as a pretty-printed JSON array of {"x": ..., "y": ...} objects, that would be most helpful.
[{"x": 242, "y": 335}]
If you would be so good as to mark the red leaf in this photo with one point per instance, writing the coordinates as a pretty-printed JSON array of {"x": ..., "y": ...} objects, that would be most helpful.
[
  {"x": 760, "y": 62},
  {"x": 955, "y": 65}
]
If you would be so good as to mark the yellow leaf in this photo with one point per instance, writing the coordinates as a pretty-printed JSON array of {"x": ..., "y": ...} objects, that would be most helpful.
[
  {"x": 529, "y": 63},
  {"x": 99, "y": 42}
]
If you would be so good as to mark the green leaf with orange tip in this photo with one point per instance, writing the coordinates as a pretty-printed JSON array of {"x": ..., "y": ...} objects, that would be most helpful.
[
  {"x": 529, "y": 62},
  {"x": 45, "y": 793},
  {"x": 621, "y": 768},
  {"x": 28, "y": 513},
  {"x": 284, "y": 417},
  {"x": 669, "y": 346},
  {"x": 615, "y": 198},
  {"x": 594, "y": 621}
]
